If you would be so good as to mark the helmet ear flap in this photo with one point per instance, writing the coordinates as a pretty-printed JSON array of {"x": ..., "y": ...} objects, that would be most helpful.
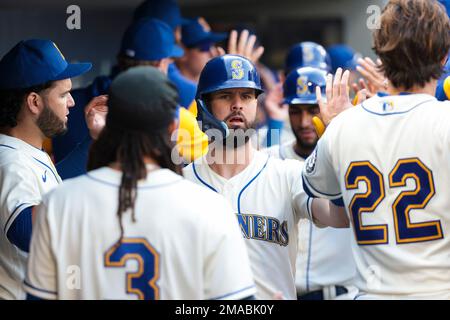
[{"x": 207, "y": 121}]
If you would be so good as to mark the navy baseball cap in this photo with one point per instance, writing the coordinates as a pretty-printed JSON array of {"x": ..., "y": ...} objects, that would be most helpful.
[
  {"x": 150, "y": 39},
  {"x": 33, "y": 62},
  {"x": 194, "y": 34},
  {"x": 164, "y": 10}
]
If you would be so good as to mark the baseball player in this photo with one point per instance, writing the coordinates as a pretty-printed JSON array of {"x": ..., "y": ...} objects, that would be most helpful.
[
  {"x": 265, "y": 193},
  {"x": 197, "y": 40},
  {"x": 35, "y": 100},
  {"x": 307, "y": 54},
  {"x": 387, "y": 160},
  {"x": 137, "y": 242},
  {"x": 303, "y": 54},
  {"x": 325, "y": 266},
  {"x": 147, "y": 41}
]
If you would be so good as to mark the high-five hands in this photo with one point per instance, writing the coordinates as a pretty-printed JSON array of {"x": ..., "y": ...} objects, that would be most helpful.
[{"x": 337, "y": 99}]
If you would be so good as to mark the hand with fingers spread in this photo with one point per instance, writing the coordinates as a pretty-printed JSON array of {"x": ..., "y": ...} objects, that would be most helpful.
[
  {"x": 337, "y": 94},
  {"x": 375, "y": 80},
  {"x": 95, "y": 115},
  {"x": 273, "y": 104},
  {"x": 244, "y": 45}
]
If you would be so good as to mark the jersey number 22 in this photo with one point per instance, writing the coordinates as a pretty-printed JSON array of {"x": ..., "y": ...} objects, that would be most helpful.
[{"x": 405, "y": 230}]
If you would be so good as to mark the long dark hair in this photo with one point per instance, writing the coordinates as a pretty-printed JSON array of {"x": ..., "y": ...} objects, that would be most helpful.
[
  {"x": 132, "y": 133},
  {"x": 128, "y": 149}
]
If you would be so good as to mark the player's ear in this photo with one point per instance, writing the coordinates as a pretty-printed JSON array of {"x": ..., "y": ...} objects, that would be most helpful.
[
  {"x": 34, "y": 103},
  {"x": 443, "y": 62}
]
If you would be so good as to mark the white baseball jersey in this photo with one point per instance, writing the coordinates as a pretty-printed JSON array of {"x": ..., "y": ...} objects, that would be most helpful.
[
  {"x": 269, "y": 200},
  {"x": 185, "y": 243},
  {"x": 26, "y": 174},
  {"x": 389, "y": 160},
  {"x": 324, "y": 254}
]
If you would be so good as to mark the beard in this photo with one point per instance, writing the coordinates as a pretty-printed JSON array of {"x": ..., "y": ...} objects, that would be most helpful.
[
  {"x": 239, "y": 135},
  {"x": 306, "y": 145},
  {"x": 50, "y": 124}
]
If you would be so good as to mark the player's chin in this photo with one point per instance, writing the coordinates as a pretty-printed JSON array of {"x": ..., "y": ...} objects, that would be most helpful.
[{"x": 309, "y": 142}]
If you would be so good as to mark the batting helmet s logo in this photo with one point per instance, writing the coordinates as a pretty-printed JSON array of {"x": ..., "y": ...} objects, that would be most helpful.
[
  {"x": 237, "y": 72},
  {"x": 302, "y": 85},
  {"x": 308, "y": 54}
]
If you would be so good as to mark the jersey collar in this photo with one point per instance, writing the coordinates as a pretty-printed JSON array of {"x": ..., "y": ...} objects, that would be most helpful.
[
  {"x": 382, "y": 104},
  {"x": 22, "y": 146}
]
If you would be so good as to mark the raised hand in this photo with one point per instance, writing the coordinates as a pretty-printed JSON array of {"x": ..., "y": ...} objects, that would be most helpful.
[
  {"x": 273, "y": 104},
  {"x": 337, "y": 94},
  {"x": 375, "y": 79},
  {"x": 95, "y": 115}
]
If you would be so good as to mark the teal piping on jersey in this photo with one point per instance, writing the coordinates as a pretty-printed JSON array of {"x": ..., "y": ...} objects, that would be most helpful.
[
  {"x": 200, "y": 179},
  {"x": 240, "y": 193},
  {"x": 4, "y": 145},
  {"x": 42, "y": 290},
  {"x": 233, "y": 293},
  {"x": 54, "y": 174},
  {"x": 141, "y": 187},
  {"x": 395, "y": 113}
]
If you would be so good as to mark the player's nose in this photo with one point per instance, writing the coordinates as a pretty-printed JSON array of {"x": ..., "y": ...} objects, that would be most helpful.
[
  {"x": 236, "y": 103},
  {"x": 70, "y": 101}
]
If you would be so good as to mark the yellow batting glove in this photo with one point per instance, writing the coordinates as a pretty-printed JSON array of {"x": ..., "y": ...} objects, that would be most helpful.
[
  {"x": 319, "y": 126},
  {"x": 192, "y": 142},
  {"x": 447, "y": 87}
]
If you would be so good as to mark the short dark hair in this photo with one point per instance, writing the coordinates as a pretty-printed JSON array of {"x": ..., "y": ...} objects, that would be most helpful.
[
  {"x": 124, "y": 63},
  {"x": 412, "y": 42},
  {"x": 12, "y": 100}
]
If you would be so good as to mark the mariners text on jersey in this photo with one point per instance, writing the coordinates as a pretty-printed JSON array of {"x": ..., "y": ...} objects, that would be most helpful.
[{"x": 264, "y": 228}]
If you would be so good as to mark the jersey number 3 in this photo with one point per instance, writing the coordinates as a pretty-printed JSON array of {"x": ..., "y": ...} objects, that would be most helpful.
[
  {"x": 405, "y": 230},
  {"x": 143, "y": 281}
]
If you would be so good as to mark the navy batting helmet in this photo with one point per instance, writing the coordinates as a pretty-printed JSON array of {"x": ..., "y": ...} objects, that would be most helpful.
[
  {"x": 300, "y": 85},
  {"x": 224, "y": 72},
  {"x": 307, "y": 54}
]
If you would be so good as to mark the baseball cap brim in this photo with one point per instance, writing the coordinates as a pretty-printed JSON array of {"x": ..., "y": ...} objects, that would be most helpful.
[
  {"x": 73, "y": 70},
  {"x": 177, "y": 52},
  {"x": 210, "y": 39},
  {"x": 217, "y": 36}
]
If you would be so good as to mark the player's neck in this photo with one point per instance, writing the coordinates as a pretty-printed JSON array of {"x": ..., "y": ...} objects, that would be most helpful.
[
  {"x": 302, "y": 151},
  {"x": 150, "y": 163},
  {"x": 27, "y": 133},
  {"x": 229, "y": 162},
  {"x": 429, "y": 88},
  {"x": 187, "y": 73}
]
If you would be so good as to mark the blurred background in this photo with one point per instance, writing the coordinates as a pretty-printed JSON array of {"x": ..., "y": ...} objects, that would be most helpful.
[{"x": 278, "y": 24}]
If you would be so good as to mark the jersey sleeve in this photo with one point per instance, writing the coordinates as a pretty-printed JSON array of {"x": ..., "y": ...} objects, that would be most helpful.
[
  {"x": 227, "y": 268},
  {"x": 301, "y": 202},
  {"x": 319, "y": 176},
  {"x": 40, "y": 280},
  {"x": 19, "y": 190}
]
